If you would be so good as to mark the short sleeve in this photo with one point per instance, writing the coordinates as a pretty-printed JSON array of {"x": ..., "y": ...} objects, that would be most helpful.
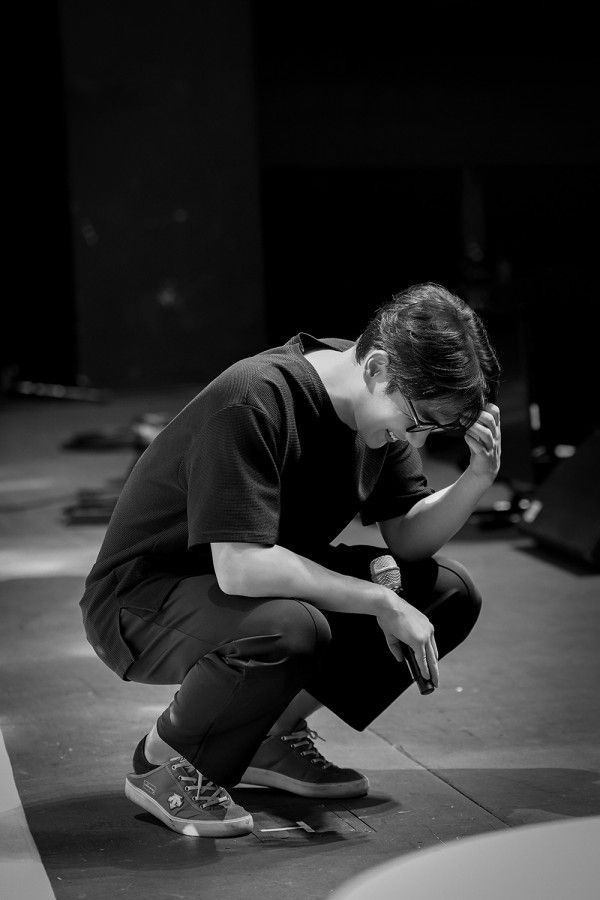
[
  {"x": 233, "y": 485},
  {"x": 400, "y": 485}
]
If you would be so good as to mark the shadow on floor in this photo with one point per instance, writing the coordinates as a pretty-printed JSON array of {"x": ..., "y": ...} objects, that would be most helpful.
[{"x": 105, "y": 829}]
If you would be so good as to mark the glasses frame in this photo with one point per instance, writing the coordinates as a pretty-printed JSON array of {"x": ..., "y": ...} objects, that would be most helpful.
[{"x": 420, "y": 425}]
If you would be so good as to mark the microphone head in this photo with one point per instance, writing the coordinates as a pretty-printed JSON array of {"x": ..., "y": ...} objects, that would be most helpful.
[{"x": 385, "y": 571}]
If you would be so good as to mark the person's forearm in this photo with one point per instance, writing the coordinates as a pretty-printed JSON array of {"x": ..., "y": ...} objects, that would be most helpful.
[
  {"x": 435, "y": 519},
  {"x": 258, "y": 571}
]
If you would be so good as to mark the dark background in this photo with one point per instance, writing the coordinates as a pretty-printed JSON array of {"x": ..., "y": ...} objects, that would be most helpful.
[{"x": 206, "y": 179}]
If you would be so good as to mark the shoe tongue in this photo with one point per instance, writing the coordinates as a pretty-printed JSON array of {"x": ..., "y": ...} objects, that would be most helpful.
[{"x": 206, "y": 785}]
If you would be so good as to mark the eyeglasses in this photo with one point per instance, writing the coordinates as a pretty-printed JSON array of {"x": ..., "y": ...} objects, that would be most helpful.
[{"x": 455, "y": 427}]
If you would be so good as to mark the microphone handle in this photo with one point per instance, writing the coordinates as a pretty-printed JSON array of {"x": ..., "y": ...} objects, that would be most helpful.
[
  {"x": 385, "y": 571},
  {"x": 425, "y": 685}
]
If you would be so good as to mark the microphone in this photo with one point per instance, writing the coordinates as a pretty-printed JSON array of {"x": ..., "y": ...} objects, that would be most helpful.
[{"x": 384, "y": 571}]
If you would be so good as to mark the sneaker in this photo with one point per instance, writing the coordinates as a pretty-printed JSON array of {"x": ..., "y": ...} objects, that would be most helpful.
[
  {"x": 292, "y": 763},
  {"x": 181, "y": 797}
]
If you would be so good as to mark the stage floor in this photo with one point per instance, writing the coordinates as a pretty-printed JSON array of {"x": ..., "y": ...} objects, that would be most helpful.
[{"x": 511, "y": 737}]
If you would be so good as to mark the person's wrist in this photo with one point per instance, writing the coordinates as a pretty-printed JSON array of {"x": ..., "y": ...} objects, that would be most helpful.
[
  {"x": 386, "y": 602},
  {"x": 480, "y": 480}
]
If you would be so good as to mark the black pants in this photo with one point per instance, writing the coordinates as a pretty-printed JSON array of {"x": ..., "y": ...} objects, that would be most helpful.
[{"x": 239, "y": 661}]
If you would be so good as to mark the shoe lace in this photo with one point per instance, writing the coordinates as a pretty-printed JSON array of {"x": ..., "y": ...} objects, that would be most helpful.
[
  {"x": 305, "y": 738},
  {"x": 196, "y": 781}
]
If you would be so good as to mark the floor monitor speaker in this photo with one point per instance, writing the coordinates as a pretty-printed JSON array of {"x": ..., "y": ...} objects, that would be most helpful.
[{"x": 565, "y": 512}]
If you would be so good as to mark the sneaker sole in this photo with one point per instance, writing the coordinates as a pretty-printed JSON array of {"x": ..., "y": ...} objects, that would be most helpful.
[
  {"x": 189, "y": 827},
  {"x": 268, "y": 778}
]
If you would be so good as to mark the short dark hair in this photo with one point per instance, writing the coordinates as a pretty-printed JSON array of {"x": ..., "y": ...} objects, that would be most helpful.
[{"x": 438, "y": 348}]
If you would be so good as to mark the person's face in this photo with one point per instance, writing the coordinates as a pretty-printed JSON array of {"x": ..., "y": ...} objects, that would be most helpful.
[{"x": 383, "y": 418}]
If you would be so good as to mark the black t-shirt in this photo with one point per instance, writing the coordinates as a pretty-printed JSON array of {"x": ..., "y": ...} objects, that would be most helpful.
[{"x": 260, "y": 456}]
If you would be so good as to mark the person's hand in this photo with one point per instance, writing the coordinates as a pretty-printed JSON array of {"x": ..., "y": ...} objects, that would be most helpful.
[
  {"x": 405, "y": 623},
  {"x": 484, "y": 442}
]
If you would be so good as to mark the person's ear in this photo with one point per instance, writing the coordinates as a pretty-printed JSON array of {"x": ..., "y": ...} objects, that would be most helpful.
[{"x": 376, "y": 366}]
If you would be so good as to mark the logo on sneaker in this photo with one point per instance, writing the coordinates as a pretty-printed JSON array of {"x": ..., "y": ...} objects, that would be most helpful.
[
  {"x": 149, "y": 787},
  {"x": 175, "y": 801}
]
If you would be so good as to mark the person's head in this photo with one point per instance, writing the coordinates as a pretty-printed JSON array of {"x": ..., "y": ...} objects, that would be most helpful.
[{"x": 426, "y": 352}]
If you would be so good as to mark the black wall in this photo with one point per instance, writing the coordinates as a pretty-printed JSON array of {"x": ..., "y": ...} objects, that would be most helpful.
[
  {"x": 453, "y": 143},
  {"x": 164, "y": 188},
  {"x": 38, "y": 332},
  {"x": 237, "y": 172}
]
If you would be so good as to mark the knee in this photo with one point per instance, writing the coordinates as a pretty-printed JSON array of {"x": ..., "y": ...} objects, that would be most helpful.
[
  {"x": 464, "y": 590},
  {"x": 303, "y": 629},
  {"x": 285, "y": 630}
]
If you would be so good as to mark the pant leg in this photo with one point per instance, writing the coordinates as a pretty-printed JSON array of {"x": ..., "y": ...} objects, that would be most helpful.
[
  {"x": 239, "y": 661},
  {"x": 359, "y": 677}
]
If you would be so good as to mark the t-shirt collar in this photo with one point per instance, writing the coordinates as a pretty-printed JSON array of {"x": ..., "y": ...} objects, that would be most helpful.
[{"x": 302, "y": 342}]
